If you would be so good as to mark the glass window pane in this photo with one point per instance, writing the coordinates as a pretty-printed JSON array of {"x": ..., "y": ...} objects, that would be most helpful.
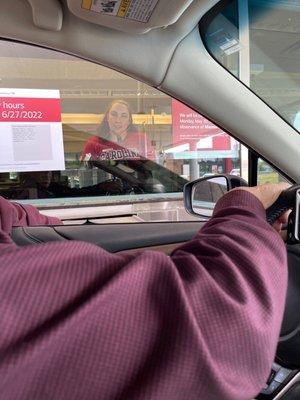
[
  {"x": 269, "y": 32},
  {"x": 267, "y": 174},
  {"x": 123, "y": 140}
]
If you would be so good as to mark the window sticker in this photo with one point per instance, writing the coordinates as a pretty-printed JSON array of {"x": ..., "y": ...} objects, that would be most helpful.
[
  {"x": 31, "y": 137},
  {"x": 137, "y": 10},
  {"x": 225, "y": 41},
  {"x": 233, "y": 49},
  {"x": 195, "y": 137}
]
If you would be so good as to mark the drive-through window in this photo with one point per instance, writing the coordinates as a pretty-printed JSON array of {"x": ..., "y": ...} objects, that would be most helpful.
[{"x": 75, "y": 130}]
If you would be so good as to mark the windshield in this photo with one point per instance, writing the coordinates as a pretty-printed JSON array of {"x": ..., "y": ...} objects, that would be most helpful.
[{"x": 259, "y": 42}]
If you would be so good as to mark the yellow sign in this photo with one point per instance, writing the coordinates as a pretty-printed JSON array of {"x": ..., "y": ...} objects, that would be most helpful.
[
  {"x": 123, "y": 8},
  {"x": 87, "y": 4}
]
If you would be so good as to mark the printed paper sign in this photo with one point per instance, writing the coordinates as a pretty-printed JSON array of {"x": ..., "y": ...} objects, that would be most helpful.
[
  {"x": 137, "y": 10},
  {"x": 188, "y": 125},
  {"x": 204, "y": 139},
  {"x": 31, "y": 137}
]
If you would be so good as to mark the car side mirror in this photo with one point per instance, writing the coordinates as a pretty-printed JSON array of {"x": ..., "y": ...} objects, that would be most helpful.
[{"x": 200, "y": 196}]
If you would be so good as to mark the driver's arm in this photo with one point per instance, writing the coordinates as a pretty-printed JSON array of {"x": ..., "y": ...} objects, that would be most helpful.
[
  {"x": 81, "y": 323},
  {"x": 15, "y": 214}
]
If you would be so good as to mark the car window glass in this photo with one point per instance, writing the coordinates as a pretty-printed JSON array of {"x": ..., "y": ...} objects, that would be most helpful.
[
  {"x": 267, "y": 174},
  {"x": 258, "y": 42},
  {"x": 122, "y": 140}
]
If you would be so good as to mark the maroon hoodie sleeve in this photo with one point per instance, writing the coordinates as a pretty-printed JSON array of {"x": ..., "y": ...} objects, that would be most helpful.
[
  {"x": 14, "y": 214},
  {"x": 80, "y": 323}
]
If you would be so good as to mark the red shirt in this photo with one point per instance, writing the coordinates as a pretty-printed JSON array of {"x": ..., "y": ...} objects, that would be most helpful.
[
  {"x": 135, "y": 146},
  {"x": 79, "y": 323}
]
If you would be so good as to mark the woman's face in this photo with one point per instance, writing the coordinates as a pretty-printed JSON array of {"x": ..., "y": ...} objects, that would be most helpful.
[{"x": 118, "y": 119}]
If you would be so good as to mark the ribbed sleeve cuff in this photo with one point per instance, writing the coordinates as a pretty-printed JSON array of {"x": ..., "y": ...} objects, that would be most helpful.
[{"x": 241, "y": 198}]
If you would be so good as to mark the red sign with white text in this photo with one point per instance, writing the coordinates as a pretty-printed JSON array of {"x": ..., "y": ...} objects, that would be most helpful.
[
  {"x": 14, "y": 109},
  {"x": 190, "y": 127}
]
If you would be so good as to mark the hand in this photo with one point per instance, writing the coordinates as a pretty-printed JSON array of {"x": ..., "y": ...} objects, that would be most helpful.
[{"x": 267, "y": 194}]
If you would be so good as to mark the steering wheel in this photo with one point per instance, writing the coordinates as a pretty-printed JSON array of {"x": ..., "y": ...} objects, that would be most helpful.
[
  {"x": 288, "y": 351},
  {"x": 288, "y": 199}
]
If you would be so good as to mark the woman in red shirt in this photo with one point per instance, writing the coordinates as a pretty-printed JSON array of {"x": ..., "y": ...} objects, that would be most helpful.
[{"x": 118, "y": 138}]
